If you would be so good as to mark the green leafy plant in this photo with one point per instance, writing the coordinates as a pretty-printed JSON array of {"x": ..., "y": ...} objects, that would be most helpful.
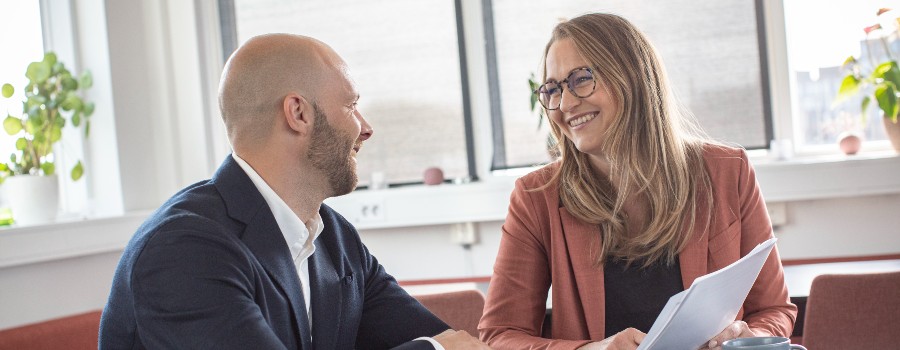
[
  {"x": 533, "y": 85},
  {"x": 51, "y": 99},
  {"x": 881, "y": 84}
]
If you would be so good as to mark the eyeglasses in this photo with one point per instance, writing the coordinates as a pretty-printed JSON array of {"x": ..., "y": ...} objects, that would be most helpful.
[{"x": 580, "y": 83}]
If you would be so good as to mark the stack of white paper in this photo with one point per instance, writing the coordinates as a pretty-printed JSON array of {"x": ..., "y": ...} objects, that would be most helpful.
[{"x": 697, "y": 314}]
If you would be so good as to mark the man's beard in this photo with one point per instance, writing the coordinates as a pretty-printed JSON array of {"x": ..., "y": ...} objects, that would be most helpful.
[{"x": 326, "y": 154}]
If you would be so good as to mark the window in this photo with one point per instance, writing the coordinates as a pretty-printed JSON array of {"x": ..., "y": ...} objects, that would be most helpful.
[
  {"x": 405, "y": 58},
  {"x": 819, "y": 39},
  {"x": 26, "y": 46},
  {"x": 711, "y": 50}
]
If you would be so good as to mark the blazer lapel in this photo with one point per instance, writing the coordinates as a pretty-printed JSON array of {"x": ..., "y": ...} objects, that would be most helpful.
[
  {"x": 266, "y": 241},
  {"x": 263, "y": 237},
  {"x": 582, "y": 241},
  {"x": 327, "y": 292},
  {"x": 695, "y": 255}
]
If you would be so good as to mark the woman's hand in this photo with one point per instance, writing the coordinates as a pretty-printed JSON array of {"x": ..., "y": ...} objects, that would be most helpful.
[
  {"x": 629, "y": 339},
  {"x": 738, "y": 329}
]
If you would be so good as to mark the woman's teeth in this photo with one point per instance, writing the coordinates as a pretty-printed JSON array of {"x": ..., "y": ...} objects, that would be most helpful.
[{"x": 576, "y": 122}]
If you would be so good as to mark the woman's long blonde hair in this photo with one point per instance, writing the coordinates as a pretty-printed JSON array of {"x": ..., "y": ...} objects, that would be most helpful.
[{"x": 654, "y": 148}]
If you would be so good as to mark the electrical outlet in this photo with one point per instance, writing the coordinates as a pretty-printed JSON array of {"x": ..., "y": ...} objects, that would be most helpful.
[
  {"x": 370, "y": 210},
  {"x": 777, "y": 213},
  {"x": 463, "y": 233}
]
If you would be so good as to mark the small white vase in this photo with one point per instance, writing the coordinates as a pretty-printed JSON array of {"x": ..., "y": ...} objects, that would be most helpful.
[{"x": 32, "y": 199}]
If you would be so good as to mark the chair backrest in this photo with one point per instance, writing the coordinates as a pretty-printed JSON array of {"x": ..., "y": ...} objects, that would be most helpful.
[
  {"x": 460, "y": 310},
  {"x": 72, "y": 332},
  {"x": 853, "y": 312}
]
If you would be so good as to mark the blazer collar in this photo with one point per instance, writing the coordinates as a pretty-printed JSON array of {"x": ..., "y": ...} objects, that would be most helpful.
[{"x": 262, "y": 236}]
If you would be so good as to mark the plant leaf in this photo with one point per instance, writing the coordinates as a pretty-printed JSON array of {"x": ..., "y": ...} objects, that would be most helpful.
[
  {"x": 849, "y": 87},
  {"x": 30, "y": 126},
  {"x": 76, "y": 118},
  {"x": 12, "y": 125},
  {"x": 48, "y": 168},
  {"x": 50, "y": 58},
  {"x": 87, "y": 128},
  {"x": 88, "y": 109},
  {"x": 86, "y": 80},
  {"x": 889, "y": 72},
  {"x": 38, "y": 72},
  {"x": 8, "y": 90},
  {"x": 72, "y": 102},
  {"x": 68, "y": 83},
  {"x": 21, "y": 144},
  {"x": 886, "y": 95},
  {"x": 55, "y": 133},
  {"x": 849, "y": 61},
  {"x": 77, "y": 171}
]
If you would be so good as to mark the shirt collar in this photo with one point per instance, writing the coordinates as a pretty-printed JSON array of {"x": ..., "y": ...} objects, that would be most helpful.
[{"x": 295, "y": 232}]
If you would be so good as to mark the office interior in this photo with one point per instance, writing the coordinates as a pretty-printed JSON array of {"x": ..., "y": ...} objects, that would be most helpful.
[{"x": 156, "y": 129}]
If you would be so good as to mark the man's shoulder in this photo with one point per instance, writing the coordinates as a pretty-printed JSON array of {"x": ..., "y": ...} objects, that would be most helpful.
[{"x": 198, "y": 210}]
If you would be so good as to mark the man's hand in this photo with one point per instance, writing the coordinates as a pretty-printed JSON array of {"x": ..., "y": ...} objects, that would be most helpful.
[
  {"x": 738, "y": 329},
  {"x": 629, "y": 339},
  {"x": 451, "y": 340}
]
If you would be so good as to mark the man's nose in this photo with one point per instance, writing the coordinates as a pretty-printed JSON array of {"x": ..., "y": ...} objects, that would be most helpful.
[{"x": 366, "y": 130}]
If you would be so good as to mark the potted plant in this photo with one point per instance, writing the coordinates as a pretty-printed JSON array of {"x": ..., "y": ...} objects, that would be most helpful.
[
  {"x": 881, "y": 83},
  {"x": 52, "y": 100}
]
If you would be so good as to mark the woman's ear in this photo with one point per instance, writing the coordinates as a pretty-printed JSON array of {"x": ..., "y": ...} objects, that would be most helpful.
[{"x": 298, "y": 113}]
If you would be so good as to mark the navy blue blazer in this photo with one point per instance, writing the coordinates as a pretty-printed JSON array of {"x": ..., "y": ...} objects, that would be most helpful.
[{"x": 211, "y": 269}]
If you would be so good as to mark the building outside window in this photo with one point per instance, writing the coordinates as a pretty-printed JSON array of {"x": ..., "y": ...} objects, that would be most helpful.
[{"x": 819, "y": 39}]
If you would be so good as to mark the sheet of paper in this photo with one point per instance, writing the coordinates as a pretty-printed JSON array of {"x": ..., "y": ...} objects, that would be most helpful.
[{"x": 692, "y": 317}]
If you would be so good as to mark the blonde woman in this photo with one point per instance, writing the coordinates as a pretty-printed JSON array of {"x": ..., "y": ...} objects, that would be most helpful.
[{"x": 639, "y": 205}]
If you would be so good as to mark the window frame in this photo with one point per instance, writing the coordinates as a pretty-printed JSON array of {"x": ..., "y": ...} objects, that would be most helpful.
[
  {"x": 499, "y": 153},
  {"x": 229, "y": 42}
]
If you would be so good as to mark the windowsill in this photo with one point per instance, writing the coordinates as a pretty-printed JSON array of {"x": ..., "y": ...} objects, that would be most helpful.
[
  {"x": 67, "y": 239},
  {"x": 799, "y": 178},
  {"x": 805, "y": 178}
]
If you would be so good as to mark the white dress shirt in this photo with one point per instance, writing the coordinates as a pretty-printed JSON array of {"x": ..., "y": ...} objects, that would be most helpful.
[{"x": 296, "y": 234}]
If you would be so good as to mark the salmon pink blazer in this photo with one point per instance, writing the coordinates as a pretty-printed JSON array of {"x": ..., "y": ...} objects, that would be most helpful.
[{"x": 544, "y": 247}]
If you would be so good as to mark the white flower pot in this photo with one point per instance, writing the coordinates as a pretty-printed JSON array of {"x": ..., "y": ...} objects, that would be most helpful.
[{"x": 32, "y": 199}]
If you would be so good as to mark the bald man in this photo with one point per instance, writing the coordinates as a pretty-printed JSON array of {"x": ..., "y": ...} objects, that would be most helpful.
[{"x": 252, "y": 259}]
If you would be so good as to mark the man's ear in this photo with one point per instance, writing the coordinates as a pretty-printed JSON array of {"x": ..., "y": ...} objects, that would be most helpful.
[{"x": 298, "y": 113}]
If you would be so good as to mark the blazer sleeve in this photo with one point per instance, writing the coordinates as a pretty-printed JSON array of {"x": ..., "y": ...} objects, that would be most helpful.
[
  {"x": 194, "y": 290},
  {"x": 391, "y": 317},
  {"x": 767, "y": 309},
  {"x": 516, "y": 301}
]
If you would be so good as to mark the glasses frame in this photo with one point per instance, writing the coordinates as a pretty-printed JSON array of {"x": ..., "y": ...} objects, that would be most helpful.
[{"x": 565, "y": 83}]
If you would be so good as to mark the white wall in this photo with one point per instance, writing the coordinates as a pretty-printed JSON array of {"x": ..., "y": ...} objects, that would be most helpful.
[{"x": 157, "y": 144}]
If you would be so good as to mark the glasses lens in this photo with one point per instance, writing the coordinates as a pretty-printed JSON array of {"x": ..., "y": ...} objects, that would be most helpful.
[
  {"x": 549, "y": 95},
  {"x": 582, "y": 83}
]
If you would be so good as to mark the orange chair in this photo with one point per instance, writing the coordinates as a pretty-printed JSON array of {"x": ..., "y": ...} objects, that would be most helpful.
[
  {"x": 853, "y": 312},
  {"x": 460, "y": 310},
  {"x": 72, "y": 332}
]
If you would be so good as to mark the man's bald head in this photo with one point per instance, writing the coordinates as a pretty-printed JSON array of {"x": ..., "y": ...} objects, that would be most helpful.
[{"x": 259, "y": 75}]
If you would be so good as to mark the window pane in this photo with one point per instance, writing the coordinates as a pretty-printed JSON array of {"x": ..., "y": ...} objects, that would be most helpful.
[
  {"x": 404, "y": 57},
  {"x": 710, "y": 49},
  {"x": 819, "y": 39},
  {"x": 25, "y": 46}
]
